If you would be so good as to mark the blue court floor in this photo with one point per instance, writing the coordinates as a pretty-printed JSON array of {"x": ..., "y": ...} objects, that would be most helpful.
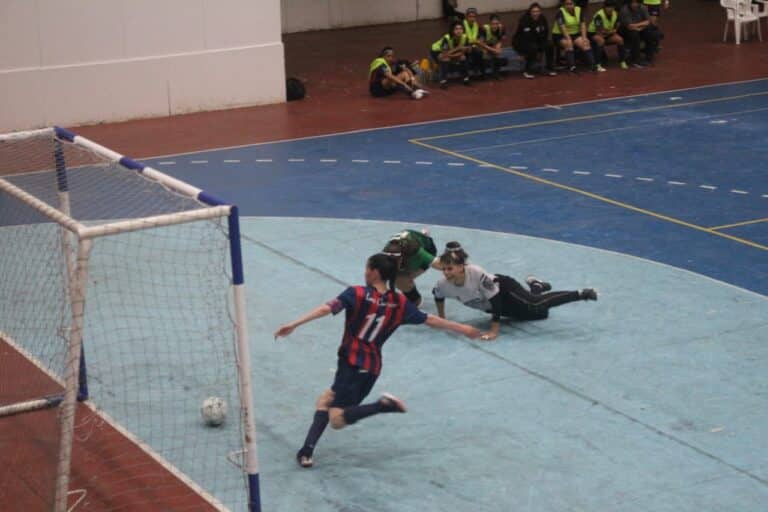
[
  {"x": 676, "y": 177},
  {"x": 653, "y": 398}
]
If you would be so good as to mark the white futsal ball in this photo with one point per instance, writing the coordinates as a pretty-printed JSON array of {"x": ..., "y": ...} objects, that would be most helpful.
[
  {"x": 417, "y": 94},
  {"x": 214, "y": 411}
]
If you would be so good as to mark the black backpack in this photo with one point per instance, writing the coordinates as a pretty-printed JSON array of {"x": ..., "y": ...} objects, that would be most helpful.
[{"x": 294, "y": 89}]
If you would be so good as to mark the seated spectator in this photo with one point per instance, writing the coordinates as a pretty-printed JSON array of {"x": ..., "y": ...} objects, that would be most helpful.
[
  {"x": 383, "y": 81},
  {"x": 569, "y": 33},
  {"x": 472, "y": 33},
  {"x": 654, "y": 10},
  {"x": 531, "y": 39},
  {"x": 634, "y": 27},
  {"x": 603, "y": 30},
  {"x": 450, "y": 51},
  {"x": 490, "y": 40}
]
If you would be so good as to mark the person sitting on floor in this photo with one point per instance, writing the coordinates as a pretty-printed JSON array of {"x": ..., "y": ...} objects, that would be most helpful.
[
  {"x": 383, "y": 81},
  {"x": 450, "y": 51},
  {"x": 531, "y": 39}
]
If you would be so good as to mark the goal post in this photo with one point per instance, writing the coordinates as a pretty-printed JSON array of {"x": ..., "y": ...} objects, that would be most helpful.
[{"x": 106, "y": 259}]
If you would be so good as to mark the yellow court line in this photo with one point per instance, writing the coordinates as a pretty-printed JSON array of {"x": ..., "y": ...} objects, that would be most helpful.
[
  {"x": 591, "y": 116},
  {"x": 737, "y": 224},
  {"x": 590, "y": 194}
]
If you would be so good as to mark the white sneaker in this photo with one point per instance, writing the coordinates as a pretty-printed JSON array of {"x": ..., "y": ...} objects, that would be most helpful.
[
  {"x": 528, "y": 75},
  {"x": 392, "y": 403},
  {"x": 600, "y": 69},
  {"x": 424, "y": 92},
  {"x": 417, "y": 94}
]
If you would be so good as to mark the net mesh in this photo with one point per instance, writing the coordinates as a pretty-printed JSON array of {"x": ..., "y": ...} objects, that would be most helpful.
[{"x": 158, "y": 335}]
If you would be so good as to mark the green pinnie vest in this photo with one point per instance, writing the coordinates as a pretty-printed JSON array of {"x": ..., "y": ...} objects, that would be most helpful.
[
  {"x": 376, "y": 64},
  {"x": 572, "y": 21},
  {"x": 608, "y": 24}
]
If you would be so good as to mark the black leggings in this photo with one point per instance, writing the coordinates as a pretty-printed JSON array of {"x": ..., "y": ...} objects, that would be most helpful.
[
  {"x": 520, "y": 303},
  {"x": 531, "y": 51}
]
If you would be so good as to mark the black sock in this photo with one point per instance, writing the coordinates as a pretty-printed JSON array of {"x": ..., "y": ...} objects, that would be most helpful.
[
  {"x": 358, "y": 412},
  {"x": 319, "y": 423},
  {"x": 570, "y": 58}
]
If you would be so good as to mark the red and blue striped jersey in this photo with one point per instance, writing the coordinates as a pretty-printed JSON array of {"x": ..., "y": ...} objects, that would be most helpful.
[{"x": 371, "y": 318}]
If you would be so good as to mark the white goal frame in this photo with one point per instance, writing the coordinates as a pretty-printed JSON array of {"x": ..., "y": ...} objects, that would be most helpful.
[{"x": 77, "y": 239}]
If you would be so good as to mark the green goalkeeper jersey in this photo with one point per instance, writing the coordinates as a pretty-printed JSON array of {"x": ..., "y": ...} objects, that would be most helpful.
[{"x": 426, "y": 254}]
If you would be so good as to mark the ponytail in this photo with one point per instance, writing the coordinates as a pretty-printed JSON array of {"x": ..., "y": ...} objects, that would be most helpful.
[
  {"x": 387, "y": 266},
  {"x": 454, "y": 254}
]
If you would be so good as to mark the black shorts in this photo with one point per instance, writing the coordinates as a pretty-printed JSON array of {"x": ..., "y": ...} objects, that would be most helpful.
[
  {"x": 556, "y": 38},
  {"x": 653, "y": 10},
  {"x": 378, "y": 90},
  {"x": 350, "y": 385}
]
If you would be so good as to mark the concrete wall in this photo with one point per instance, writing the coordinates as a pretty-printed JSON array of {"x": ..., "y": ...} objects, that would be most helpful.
[
  {"x": 86, "y": 61},
  {"x": 302, "y": 15}
]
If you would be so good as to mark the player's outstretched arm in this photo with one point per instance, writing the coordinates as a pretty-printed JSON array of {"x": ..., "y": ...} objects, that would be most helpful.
[
  {"x": 450, "y": 325},
  {"x": 318, "y": 312}
]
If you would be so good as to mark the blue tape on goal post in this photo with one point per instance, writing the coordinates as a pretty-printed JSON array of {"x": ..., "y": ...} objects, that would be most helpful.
[
  {"x": 64, "y": 134},
  {"x": 132, "y": 164}
]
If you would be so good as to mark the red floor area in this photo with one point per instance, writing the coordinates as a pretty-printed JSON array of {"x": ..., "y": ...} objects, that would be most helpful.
[
  {"x": 334, "y": 65},
  {"x": 109, "y": 468}
]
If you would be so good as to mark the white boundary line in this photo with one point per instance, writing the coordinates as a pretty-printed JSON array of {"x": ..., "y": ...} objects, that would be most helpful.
[
  {"x": 451, "y": 119},
  {"x": 443, "y": 226},
  {"x": 122, "y": 430}
]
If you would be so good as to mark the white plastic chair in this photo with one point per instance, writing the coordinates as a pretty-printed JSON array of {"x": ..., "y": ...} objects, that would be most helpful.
[
  {"x": 739, "y": 12},
  {"x": 760, "y": 9}
]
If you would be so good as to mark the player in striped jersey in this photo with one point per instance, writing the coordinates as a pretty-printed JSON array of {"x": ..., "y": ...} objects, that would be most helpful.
[
  {"x": 497, "y": 294},
  {"x": 373, "y": 313}
]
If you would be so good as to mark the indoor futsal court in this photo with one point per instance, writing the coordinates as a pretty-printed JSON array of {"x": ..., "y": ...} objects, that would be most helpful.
[{"x": 160, "y": 278}]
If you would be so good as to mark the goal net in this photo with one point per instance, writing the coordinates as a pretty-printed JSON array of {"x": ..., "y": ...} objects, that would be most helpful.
[{"x": 121, "y": 311}]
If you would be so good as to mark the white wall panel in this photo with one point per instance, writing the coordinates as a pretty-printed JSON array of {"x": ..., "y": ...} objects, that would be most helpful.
[
  {"x": 303, "y": 15},
  {"x": 155, "y": 27},
  {"x": 78, "y": 31},
  {"x": 257, "y": 22},
  {"x": 19, "y": 35},
  {"x": 86, "y": 61}
]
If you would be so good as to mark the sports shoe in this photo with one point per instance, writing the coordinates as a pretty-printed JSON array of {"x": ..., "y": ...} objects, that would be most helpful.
[
  {"x": 466, "y": 80},
  {"x": 537, "y": 286},
  {"x": 443, "y": 84},
  {"x": 639, "y": 64},
  {"x": 623, "y": 65},
  {"x": 390, "y": 403},
  {"x": 424, "y": 92},
  {"x": 588, "y": 294},
  {"x": 528, "y": 75},
  {"x": 599, "y": 68},
  {"x": 417, "y": 95},
  {"x": 551, "y": 72},
  {"x": 572, "y": 69},
  {"x": 304, "y": 458}
]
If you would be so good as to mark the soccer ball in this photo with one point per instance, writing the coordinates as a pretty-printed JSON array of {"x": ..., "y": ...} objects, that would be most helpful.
[{"x": 214, "y": 411}]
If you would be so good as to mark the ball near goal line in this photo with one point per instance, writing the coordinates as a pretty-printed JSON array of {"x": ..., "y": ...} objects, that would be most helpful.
[{"x": 214, "y": 411}]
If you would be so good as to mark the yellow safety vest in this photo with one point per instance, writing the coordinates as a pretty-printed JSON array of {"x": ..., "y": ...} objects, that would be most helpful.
[
  {"x": 608, "y": 24},
  {"x": 471, "y": 32},
  {"x": 572, "y": 21},
  {"x": 490, "y": 37},
  {"x": 376, "y": 64},
  {"x": 438, "y": 45}
]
